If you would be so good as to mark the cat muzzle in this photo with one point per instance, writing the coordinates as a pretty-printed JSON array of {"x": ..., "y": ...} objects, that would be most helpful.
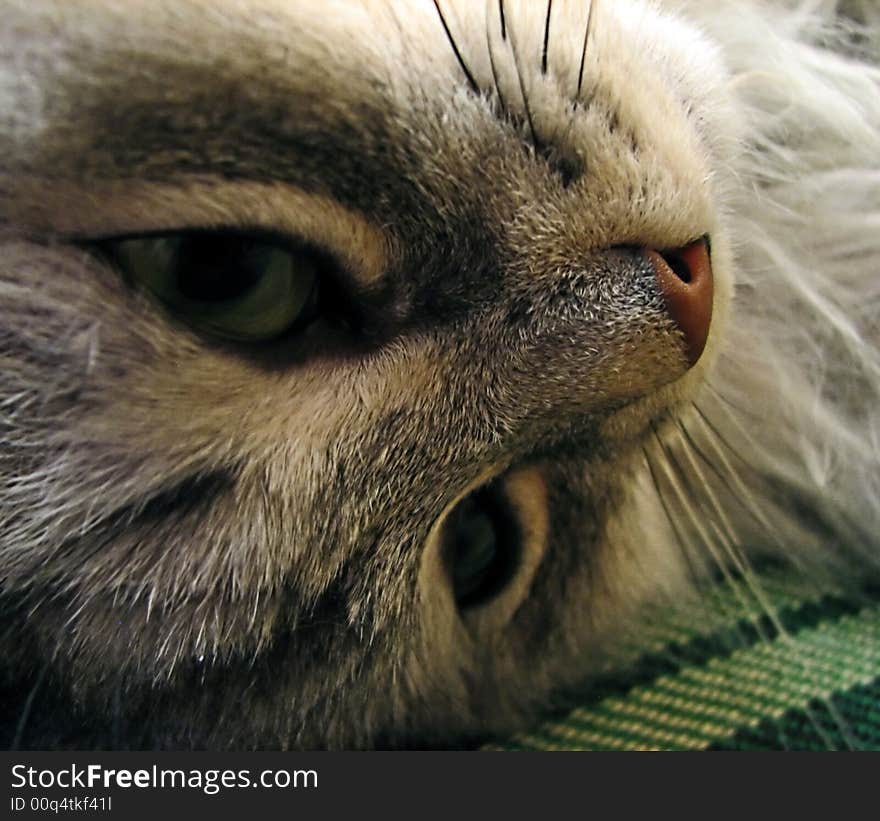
[{"x": 685, "y": 279}]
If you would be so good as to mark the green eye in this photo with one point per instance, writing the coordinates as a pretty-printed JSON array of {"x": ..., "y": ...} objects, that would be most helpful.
[{"x": 230, "y": 286}]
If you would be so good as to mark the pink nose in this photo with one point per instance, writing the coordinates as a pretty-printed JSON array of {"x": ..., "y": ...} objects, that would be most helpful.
[{"x": 685, "y": 279}]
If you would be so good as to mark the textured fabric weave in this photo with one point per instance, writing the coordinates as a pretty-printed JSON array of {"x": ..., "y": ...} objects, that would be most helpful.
[{"x": 722, "y": 674}]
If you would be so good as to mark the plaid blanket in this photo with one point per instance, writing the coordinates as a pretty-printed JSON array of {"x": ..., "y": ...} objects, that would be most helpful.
[{"x": 723, "y": 675}]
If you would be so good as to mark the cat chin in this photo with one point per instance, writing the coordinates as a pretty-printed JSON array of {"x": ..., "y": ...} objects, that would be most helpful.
[{"x": 632, "y": 423}]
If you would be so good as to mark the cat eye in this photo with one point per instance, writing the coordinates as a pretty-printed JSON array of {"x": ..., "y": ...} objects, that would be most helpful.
[
  {"x": 482, "y": 547},
  {"x": 231, "y": 286}
]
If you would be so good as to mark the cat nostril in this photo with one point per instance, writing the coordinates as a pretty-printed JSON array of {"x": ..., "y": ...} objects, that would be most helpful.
[
  {"x": 679, "y": 265},
  {"x": 685, "y": 279}
]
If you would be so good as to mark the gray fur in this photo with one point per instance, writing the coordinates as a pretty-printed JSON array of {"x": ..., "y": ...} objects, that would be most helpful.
[{"x": 212, "y": 546}]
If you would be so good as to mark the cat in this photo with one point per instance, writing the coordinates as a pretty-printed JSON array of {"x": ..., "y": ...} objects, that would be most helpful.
[{"x": 367, "y": 366}]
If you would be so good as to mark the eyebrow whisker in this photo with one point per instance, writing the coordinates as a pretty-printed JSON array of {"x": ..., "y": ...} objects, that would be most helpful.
[
  {"x": 492, "y": 64},
  {"x": 546, "y": 37},
  {"x": 464, "y": 67},
  {"x": 587, "y": 32},
  {"x": 522, "y": 88}
]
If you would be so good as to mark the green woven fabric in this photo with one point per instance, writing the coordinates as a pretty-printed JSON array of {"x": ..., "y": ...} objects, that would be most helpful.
[{"x": 723, "y": 675}]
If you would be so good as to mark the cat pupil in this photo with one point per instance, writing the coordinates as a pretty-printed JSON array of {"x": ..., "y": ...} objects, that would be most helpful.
[
  {"x": 483, "y": 547},
  {"x": 212, "y": 268}
]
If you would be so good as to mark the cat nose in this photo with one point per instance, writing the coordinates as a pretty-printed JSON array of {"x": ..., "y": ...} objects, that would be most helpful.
[{"x": 685, "y": 279}]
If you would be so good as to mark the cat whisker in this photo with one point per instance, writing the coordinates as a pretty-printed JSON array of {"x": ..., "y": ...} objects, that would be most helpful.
[
  {"x": 843, "y": 524},
  {"x": 680, "y": 541},
  {"x": 727, "y": 535},
  {"x": 546, "y": 38},
  {"x": 536, "y": 143},
  {"x": 492, "y": 64},
  {"x": 719, "y": 437},
  {"x": 678, "y": 480},
  {"x": 458, "y": 56},
  {"x": 738, "y": 408},
  {"x": 744, "y": 606},
  {"x": 686, "y": 546},
  {"x": 729, "y": 541},
  {"x": 730, "y": 475},
  {"x": 587, "y": 32}
]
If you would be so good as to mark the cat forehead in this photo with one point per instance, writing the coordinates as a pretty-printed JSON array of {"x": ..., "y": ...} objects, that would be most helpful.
[{"x": 391, "y": 109}]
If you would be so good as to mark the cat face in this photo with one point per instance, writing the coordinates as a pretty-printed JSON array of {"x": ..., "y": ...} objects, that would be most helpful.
[{"x": 402, "y": 511}]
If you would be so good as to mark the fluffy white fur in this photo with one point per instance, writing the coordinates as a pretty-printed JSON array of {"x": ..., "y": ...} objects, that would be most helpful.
[{"x": 802, "y": 359}]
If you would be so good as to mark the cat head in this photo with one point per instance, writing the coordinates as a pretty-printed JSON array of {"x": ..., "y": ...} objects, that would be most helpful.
[{"x": 331, "y": 338}]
